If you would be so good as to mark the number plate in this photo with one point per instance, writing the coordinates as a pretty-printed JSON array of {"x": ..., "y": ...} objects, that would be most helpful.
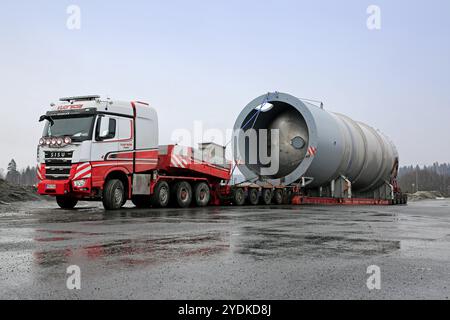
[
  {"x": 58, "y": 154},
  {"x": 51, "y": 186}
]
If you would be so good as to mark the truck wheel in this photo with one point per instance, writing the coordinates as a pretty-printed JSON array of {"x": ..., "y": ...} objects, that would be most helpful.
[
  {"x": 202, "y": 194},
  {"x": 253, "y": 196},
  {"x": 278, "y": 197},
  {"x": 239, "y": 197},
  {"x": 113, "y": 194},
  {"x": 183, "y": 194},
  {"x": 161, "y": 195},
  {"x": 266, "y": 197},
  {"x": 66, "y": 202},
  {"x": 142, "y": 201}
]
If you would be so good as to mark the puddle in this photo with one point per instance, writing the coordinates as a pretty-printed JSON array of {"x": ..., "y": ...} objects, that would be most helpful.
[
  {"x": 264, "y": 243},
  {"x": 140, "y": 251}
]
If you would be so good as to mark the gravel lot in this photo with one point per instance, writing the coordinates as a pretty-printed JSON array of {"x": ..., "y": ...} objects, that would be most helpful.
[{"x": 289, "y": 252}]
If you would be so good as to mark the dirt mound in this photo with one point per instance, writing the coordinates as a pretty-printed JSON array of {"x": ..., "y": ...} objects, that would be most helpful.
[
  {"x": 12, "y": 193},
  {"x": 424, "y": 195}
]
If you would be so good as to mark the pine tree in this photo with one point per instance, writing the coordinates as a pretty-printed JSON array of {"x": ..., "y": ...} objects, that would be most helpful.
[{"x": 13, "y": 176}]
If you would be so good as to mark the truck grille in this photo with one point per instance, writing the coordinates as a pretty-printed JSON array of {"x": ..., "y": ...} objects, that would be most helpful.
[{"x": 58, "y": 165}]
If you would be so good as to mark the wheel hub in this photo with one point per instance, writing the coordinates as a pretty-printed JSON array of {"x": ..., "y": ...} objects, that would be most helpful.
[
  {"x": 183, "y": 194},
  {"x": 118, "y": 195},
  {"x": 163, "y": 195}
]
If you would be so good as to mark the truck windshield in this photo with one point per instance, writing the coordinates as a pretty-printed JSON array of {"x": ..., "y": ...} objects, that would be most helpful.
[{"x": 78, "y": 128}]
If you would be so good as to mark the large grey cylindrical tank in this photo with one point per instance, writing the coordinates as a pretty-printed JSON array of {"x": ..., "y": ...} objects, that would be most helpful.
[{"x": 315, "y": 143}]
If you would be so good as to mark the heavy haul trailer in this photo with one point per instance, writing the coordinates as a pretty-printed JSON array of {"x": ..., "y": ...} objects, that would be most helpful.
[{"x": 106, "y": 150}]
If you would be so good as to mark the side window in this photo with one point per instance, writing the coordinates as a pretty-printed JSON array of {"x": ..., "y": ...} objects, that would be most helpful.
[
  {"x": 106, "y": 128},
  {"x": 125, "y": 129}
]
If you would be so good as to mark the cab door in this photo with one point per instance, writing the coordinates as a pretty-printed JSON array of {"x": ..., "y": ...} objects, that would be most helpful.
[
  {"x": 125, "y": 139},
  {"x": 105, "y": 147},
  {"x": 125, "y": 135}
]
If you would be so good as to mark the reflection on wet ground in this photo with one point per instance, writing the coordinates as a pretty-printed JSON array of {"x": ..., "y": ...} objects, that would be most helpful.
[
  {"x": 138, "y": 251},
  {"x": 267, "y": 243},
  {"x": 43, "y": 240},
  {"x": 151, "y": 236}
]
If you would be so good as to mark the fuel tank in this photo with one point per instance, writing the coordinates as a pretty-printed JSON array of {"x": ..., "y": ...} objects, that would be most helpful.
[{"x": 312, "y": 143}]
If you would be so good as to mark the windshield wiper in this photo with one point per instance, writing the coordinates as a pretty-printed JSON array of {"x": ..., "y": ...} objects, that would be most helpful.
[{"x": 48, "y": 118}]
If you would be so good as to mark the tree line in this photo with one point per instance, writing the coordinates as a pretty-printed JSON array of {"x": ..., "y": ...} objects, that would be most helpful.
[
  {"x": 23, "y": 177},
  {"x": 411, "y": 178},
  {"x": 427, "y": 178}
]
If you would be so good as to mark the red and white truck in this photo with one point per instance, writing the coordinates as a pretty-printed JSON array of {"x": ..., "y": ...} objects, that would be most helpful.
[{"x": 106, "y": 150}]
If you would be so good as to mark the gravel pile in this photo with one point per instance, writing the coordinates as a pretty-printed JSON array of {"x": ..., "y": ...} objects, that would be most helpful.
[
  {"x": 12, "y": 193},
  {"x": 424, "y": 195}
]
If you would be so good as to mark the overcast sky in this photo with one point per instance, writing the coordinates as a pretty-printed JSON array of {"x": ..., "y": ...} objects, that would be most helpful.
[{"x": 205, "y": 60}]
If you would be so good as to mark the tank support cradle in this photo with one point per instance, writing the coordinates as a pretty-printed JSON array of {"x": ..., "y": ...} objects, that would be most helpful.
[{"x": 341, "y": 188}]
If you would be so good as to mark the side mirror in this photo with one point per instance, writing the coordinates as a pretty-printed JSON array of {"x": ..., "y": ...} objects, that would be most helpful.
[{"x": 48, "y": 118}]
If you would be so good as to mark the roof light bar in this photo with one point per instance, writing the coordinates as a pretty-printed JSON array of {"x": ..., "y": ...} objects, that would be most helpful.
[{"x": 80, "y": 98}]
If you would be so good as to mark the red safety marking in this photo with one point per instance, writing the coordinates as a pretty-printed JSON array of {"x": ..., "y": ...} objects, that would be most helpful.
[{"x": 312, "y": 151}]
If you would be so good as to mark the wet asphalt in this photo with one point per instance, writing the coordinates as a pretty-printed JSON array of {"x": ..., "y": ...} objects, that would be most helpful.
[{"x": 289, "y": 252}]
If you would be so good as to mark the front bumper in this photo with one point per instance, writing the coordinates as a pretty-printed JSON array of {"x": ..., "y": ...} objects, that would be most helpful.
[
  {"x": 69, "y": 186},
  {"x": 64, "y": 188}
]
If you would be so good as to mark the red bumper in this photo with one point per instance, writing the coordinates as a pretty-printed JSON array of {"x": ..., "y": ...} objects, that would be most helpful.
[
  {"x": 57, "y": 188},
  {"x": 78, "y": 172},
  {"x": 63, "y": 187}
]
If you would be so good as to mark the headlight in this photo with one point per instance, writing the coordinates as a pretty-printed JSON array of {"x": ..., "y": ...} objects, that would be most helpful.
[
  {"x": 53, "y": 141},
  {"x": 59, "y": 141},
  {"x": 48, "y": 141},
  {"x": 41, "y": 141},
  {"x": 79, "y": 183},
  {"x": 67, "y": 140}
]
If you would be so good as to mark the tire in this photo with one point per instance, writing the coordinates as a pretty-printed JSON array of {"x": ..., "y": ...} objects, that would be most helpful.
[
  {"x": 124, "y": 201},
  {"x": 266, "y": 197},
  {"x": 253, "y": 196},
  {"x": 66, "y": 202},
  {"x": 113, "y": 194},
  {"x": 161, "y": 195},
  {"x": 239, "y": 197},
  {"x": 142, "y": 201},
  {"x": 183, "y": 194},
  {"x": 202, "y": 194},
  {"x": 278, "y": 196}
]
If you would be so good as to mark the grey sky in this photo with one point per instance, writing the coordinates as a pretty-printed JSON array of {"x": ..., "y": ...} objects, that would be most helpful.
[{"x": 205, "y": 60}]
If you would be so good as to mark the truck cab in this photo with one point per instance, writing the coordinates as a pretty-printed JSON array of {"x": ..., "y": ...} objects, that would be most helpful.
[{"x": 90, "y": 148}]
